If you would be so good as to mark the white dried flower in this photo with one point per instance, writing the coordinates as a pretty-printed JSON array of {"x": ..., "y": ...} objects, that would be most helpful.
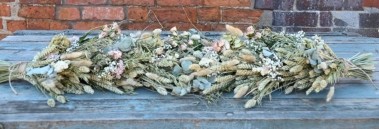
[
  {"x": 205, "y": 62},
  {"x": 60, "y": 65},
  {"x": 159, "y": 50},
  {"x": 157, "y": 31},
  {"x": 250, "y": 30},
  {"x": 51, "y": 102},
  {"x": 183, "y": 46},
  {"x": 190, "y": 42},
  {"x": 195, "y": 37},
  {"x": 173, "y": 29},
  {"x": 185, "y": 33},
  {"x": 258, "y": 35}
]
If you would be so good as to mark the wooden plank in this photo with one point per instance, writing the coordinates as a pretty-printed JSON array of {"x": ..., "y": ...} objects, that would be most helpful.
[
  {"x": 292, "y": 120},
  {"x": 186, "y": 105}
]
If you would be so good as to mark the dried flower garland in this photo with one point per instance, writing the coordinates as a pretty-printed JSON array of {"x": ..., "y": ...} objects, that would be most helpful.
[{"x": 254, "y": 63}]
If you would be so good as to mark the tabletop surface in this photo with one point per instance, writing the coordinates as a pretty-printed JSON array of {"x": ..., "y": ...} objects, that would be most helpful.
[{"x": 355, "y": 103}]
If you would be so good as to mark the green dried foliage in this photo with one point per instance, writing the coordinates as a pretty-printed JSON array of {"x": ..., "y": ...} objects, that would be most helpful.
[{"x": 255, "y": 63}]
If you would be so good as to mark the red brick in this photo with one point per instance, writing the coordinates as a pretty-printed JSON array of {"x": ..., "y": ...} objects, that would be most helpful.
[
  {"x": 308, "y": 19},
  {"x": 175, "y": 14},
  {"x": 143, "y": 26},
  {"x": 137, "y": 13},
  {"x": 7, "y": 0},
  {"x": 103, "y": 13},
  {"x": 133, "y": 2},
  {"x": 371, "y": 3},
  {"x": 241, "y": 15},
  {"x": 87, "y": 25},
  {"x": 38, "y": 25},
  {"x": 228, "y": 3},
  {"x": 68, "y": 13},
  {"x": 179, "y": 26},
  {"x": 209, "y": 14},
  {"x": 40, "y": 1},
  {"x": 180, "y": 2},
  {"x": 85, "y": 2},
  {"x": 13, "y": 25},
  {"x": 43, "y": 12},
  {"x": 1, "y": 23},
  {"x": 5, "y": 10},
  {"x": 57, "y": 25}
]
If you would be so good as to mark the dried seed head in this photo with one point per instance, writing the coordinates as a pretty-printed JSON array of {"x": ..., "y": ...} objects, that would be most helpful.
[
  {"x": 84, "y": 69},
  {"x": 231, "y": 62},
  {"x": 203, "y": 72},
  {"x": 241, "y": 92},
  {"x": 159, "y": 50},
  {"x": 237, "y": 88},
  {"x": 61, "y": 99},
  {"x": 330, "y": 94},
  {"x": 322, "y": 85},
  {"x": 323, "y": 65},
  {"x": 263, "y": 84},
  {"x": 309, "y": 90},
  {"x": 88, "y": 89},
  {"x": 226, "y": 78},
  {"x": 248, "y": 58},
  {"x": 288, "y": 90},
  {"x": 227, "y": 53},
  {"x": 296, "y": 69},
  {"x": 312, "y": 73},
  {"x": 251, "y": 103},
  {"x": 185, "y": 78},
  {"x": 132, "y": 82},
  {"x": 81, "y": 63},
  {"x": 151, "y": 75},
  {"x": 51, "y": 102},
  {"x": 326, "y": 71},
  {"x": 234, "y": 31},
  {"x": 290, "y": 63},
  {"x": 195, "y": 67},
  {"x": 70, "y": 56},
  {"x": 245, "y": 72},
  {"x": 161, "y": 90},
  {"x": 56, "y": 90},
  {"x": 48, "y": 84},
  {"x": 333, "y": 66}
]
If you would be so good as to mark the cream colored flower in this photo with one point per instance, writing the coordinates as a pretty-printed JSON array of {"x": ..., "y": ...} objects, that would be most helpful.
[{"x": 60, "y": 65}]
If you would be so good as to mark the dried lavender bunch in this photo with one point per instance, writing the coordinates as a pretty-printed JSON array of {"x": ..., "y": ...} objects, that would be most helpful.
[{"x": 254, "y": 63}]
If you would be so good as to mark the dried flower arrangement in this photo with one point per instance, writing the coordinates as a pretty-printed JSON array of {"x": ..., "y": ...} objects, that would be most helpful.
[{"x": 255, "y": 63}]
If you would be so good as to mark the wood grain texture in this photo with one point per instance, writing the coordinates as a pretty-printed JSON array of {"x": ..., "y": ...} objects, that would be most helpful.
[{"x": 355, "y": 105}]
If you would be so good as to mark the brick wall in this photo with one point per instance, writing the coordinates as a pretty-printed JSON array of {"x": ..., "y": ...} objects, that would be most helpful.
[
  {"x": 137, "y": 14},
  {"x": 360, "y": 16}
]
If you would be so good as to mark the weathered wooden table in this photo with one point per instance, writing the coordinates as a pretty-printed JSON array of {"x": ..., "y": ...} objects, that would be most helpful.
[{"x": 355, "y": 105}]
